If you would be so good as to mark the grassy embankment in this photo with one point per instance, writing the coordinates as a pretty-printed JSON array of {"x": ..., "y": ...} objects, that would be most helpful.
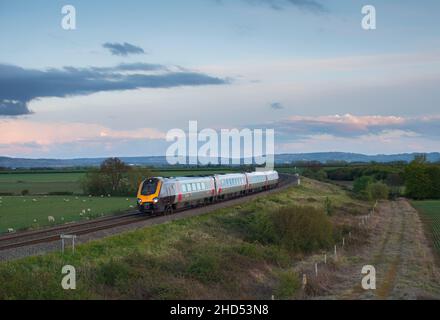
[{"x": 245, "y": 251}]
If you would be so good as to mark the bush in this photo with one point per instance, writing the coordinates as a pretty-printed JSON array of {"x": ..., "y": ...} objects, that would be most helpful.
[
  {"x": 24, "y": 192},
  {"x": 360, "y": 184},
  {"x": 377, "y": 191},
  {"x": 302, "y": 229},
  {"x": 288, "y": 285}
]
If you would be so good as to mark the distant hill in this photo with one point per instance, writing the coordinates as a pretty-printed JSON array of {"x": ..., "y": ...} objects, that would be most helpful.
[{"x": 161, "y": 160}]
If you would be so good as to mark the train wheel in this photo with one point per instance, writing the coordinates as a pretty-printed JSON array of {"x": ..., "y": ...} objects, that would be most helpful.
[{"x": 168, "y": 210}]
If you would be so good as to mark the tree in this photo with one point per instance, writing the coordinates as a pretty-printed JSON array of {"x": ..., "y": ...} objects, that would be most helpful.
[
  {"x": 418, "y": 183},
  {"x": 114, "y": 177},
  {"x": 360, "y": 184},
  {"x": 114, "y": 170}
]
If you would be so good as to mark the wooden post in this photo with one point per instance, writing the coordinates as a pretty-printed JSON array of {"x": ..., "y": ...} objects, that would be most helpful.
[
  {"x": 316, "y": 269},
  {"x": 304, "y": 281},
  {"x": 325, "y": 258},
  {"x": 343, "y": 242},
  {"x": 336, "y": 255}
]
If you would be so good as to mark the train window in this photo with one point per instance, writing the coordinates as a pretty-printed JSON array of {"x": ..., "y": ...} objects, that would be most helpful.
[
  {"x": 199, "y": 186},
  {"x": 194, "y": 187},
  {"x": 149, "y": 187},
  {"x": 183, "y": 187}
]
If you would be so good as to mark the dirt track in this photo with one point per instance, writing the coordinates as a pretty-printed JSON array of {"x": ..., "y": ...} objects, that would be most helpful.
[{"x": 398, "y": 249}]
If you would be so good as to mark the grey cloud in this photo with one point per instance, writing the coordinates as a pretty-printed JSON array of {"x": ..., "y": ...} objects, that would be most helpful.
[
  {"x": 18, "y": 85},
  {"x": 276, "y": 106},
  {"x": 13, "y": 108},
  {"x": 355, "y": 127},
  {"x": 123, "y": 49}
]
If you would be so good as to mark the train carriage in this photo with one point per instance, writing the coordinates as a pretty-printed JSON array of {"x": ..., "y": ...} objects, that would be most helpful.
[
  {"x": 230, "y": 185},
  {"x": 159, "y": 194}
]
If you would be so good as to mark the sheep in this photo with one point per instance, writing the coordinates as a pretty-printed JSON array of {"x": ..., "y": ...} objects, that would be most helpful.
[
  {"x": 10, "y": 230},
  {"x": 51, "y": 219}
]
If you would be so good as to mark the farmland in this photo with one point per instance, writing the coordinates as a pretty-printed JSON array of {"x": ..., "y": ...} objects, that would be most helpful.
[
  {"x": 430, "y": 210},
  {"x": 27, "y": 212},
  {"x": 52, "y": 181}
]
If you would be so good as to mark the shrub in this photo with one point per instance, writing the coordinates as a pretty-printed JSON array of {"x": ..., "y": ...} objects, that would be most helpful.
[
  {"x": 288, "y": 285},
  {"x": 360, "y": 184},
  {"x": 24, "y": 192},
  {"x": 302, "y": 229},
  {"x": 377, "y": 191}
]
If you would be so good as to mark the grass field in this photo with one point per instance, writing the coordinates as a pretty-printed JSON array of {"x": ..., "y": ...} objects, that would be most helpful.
[
  {"x": 430, "y": 209},
  {"x": 209, "y": 256},
  {"x": 40, "y": 183},
  {"x": 19, "y": 212},
  {"x": 57, "y": 181}
]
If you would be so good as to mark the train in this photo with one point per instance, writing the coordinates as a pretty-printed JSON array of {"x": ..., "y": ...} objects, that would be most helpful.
[{"x": 165, "y": 195}]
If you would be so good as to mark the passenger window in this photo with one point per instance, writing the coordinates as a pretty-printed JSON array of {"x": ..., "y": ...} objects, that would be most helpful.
[
  {"x": 194, "y": 187},
  {"x": 183, "y": 188},
  {"x": 199, "y": 186}
]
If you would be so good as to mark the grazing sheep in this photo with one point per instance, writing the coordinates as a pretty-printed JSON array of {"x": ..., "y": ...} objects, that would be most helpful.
[
  {"x": 51, "y": 219},
  {"x": 34, "y": 200},
  {"x": 10, "y": 230},
  {"x": 35, "y": 220},
  {"x": 88, "y": 209}
]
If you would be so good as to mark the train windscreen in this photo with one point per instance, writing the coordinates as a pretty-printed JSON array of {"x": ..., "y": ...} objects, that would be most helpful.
[{"x": 149, "y": 187}]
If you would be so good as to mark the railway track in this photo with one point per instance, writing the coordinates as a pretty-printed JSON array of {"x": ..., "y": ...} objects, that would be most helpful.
[{"x": 28, "y": 238}]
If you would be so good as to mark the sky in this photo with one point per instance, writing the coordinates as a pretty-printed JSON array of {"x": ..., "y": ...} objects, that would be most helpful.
[{"x": 132, "y": 70}]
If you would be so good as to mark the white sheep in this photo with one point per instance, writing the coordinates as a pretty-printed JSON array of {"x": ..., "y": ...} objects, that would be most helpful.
[
  {"x": 10, "y": 230},
  {"x": 51, "y": 219}
]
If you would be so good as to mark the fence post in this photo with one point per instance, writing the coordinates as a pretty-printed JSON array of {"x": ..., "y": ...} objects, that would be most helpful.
[
  {"x": 316, "y": 269},
  {"x": 304, "y": 281}
]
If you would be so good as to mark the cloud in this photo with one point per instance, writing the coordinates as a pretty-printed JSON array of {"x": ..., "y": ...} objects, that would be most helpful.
[
  {"x": 27, "y": 132},
  {"x": 13, "y": 108},
  {"x": 276, "y": 106},
  {"x": 18, "y": 85},
  {"x": 123, "y": 49},
  {"x": 352, "y": 126}
]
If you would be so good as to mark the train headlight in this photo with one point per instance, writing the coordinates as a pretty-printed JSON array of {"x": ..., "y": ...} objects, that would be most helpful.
[{"x": 155, "y": 200}]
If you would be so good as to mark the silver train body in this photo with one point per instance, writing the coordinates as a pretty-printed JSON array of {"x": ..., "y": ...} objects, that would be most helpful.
[{"x": 180, "y": 192}]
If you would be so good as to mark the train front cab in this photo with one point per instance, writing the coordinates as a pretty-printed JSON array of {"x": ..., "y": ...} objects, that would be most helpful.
[{"x": 148, "y": 195}]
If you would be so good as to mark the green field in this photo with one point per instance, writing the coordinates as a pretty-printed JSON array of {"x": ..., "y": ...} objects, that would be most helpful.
[
  {"x": 45, "y": 182},
  {"x": 19, "y": 212},
  {"x": 430, "y": 209},
  {"x": 40, "y": 183}
]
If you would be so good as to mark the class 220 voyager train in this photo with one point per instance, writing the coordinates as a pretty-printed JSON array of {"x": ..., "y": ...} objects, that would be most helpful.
[{"x": 159, "y": 194}]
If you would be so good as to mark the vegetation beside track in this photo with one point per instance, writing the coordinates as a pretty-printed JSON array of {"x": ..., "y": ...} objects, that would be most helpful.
[{"x": 224, "y": 254}]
